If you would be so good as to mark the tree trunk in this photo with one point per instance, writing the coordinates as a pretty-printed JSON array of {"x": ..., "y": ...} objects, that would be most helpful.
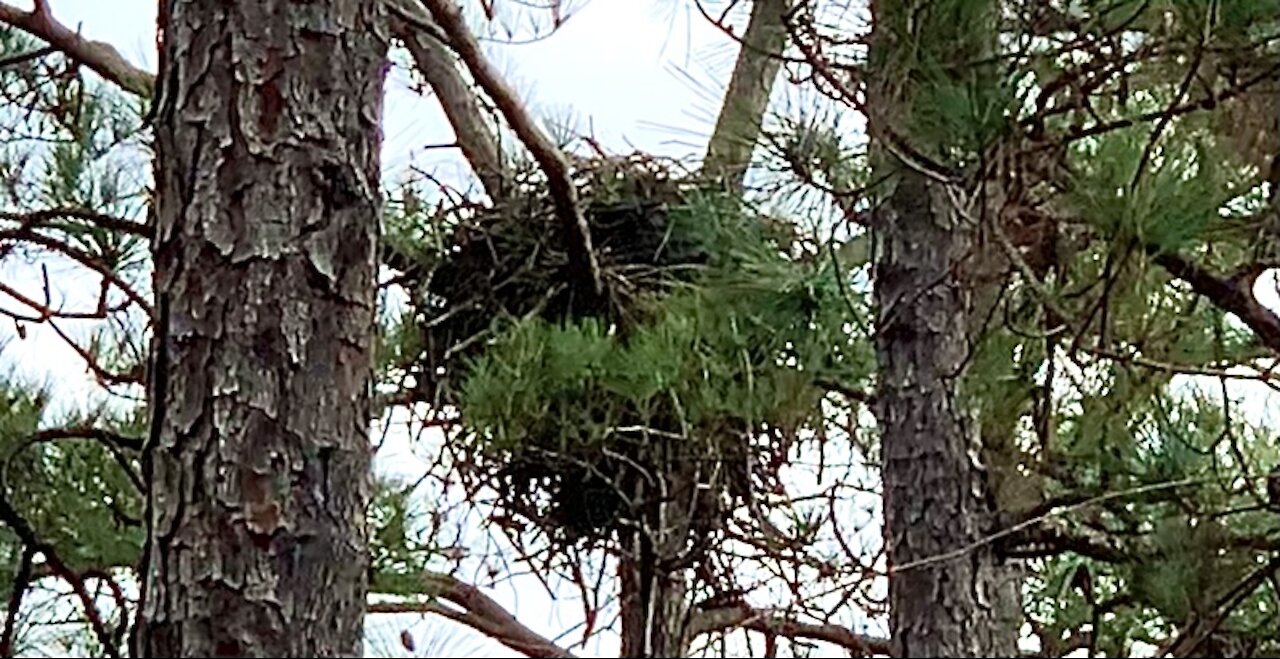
[
  {"x": 267, "y": 136},
  {"x": 654, "y": 610},
  {"x": 933, "y": 505},
  {"x": 948, "y": 597},
  {"x": 653, "y": 588},
  {"x": 750, "y": 88}
]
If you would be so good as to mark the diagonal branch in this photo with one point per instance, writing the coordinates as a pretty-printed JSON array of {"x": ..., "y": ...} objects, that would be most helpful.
[
  {"x": 778, "y": 624},
  {"x": 564, "y": 195},
  {"x": 750, "y": 88},
  {"x": 22, "y": 528},
  {"x": 99, "y": 56},
  {"x": 479, "y": 612},
  {"x": 1233, "y": 294},
  {"x": 424, "y": 41}
]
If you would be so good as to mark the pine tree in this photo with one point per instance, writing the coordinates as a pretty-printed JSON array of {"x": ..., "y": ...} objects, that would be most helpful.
[
  {"x": 267, "y": 212},
  {"x": 1060, "y": 213}
]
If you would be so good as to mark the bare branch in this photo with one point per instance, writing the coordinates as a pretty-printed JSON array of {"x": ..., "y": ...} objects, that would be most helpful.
[
  {"x": 1234, "y": 294},
  {"x": 83, "y": 258},
  {"x": 46, "y": 217},
  {"x": 777, "y": 624},
  {"x": 99, "y": 56},
  {"x": 553, "y": 163},
  {"x": 479, "y": 612},
  {"x": 750, "y": 88},
  {"x": 422, "y": 38}
]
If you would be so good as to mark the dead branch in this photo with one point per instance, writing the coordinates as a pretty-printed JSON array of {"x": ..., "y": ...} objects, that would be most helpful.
[
  {"x": 423, "y": 39},
  {"x": 99, "y": 56},
  {"x": 552, "y": 161},
  {"x": 777, "y": 624},
  {"x": 750, "y": 88},
  {"x": 479, "y": 612},
  {"x": 82, "y": 257}
]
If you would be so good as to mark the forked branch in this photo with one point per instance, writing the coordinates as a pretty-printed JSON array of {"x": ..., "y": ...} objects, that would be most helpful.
[
  {"x": 552, "y": 161},
  {"x": 479, "y": 612}
]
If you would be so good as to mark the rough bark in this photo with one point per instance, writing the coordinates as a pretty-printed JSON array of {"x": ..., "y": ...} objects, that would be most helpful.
[
  {"x": 932, "y": 505},
  {"x": 267, "y": 139},
  {"x": 927, "y": 287},
  {"x": 750, "y": 88}
]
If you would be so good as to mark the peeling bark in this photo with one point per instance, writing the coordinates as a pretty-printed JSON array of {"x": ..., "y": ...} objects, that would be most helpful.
[{"x": 267, "y": 137}]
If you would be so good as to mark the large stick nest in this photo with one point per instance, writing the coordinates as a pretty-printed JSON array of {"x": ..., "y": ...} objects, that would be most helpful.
[{"x": 506, "y": 264}]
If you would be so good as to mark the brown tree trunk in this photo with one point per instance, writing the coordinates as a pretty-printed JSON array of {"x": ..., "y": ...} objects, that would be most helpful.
[
  {"x": 949, "y": 596},
  {"x": 267, "y": 137},
  {"x": 654, "y": 610}
]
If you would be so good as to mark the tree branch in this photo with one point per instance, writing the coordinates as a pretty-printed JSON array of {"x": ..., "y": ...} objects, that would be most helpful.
[
  {"x": 422, "y": 38},
  {"x": 99, "y": 56},
  {"x": 1234, "y": 294},
  {"x": 750, "y": 88},
  {"x": 21, "y": 528},
  {"x": 19, "y": 588},
  {"x": 777, "y": 624},
  {"x": 479, "y": 612},
  {"x": 46, "y": 217},
  {"x": 564, "y": 195}
]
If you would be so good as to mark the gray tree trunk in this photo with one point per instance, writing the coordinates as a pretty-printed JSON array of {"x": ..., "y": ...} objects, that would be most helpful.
[
  {"x": 653, "y": 586},
  {"x": 750, "y": 88},
  {"x": 932, "y": 496},
  {"x": 949, "y": 596},
  {"x": 267, "y": 127}
]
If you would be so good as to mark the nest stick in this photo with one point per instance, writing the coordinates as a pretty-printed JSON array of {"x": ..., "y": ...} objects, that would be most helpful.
[{"x": 564, "y": 195}]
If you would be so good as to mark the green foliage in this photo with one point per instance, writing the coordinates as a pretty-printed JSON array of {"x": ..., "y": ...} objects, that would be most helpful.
[
  {"x": 954, "y": 96},
  {"x": 79, "y": 495},
  {"x": 740, "y": 347},
  {"x": 1177, "y": 197}
]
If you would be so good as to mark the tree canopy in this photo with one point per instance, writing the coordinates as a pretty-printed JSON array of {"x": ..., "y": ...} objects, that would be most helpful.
[{"x": 670, "y": 395}]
